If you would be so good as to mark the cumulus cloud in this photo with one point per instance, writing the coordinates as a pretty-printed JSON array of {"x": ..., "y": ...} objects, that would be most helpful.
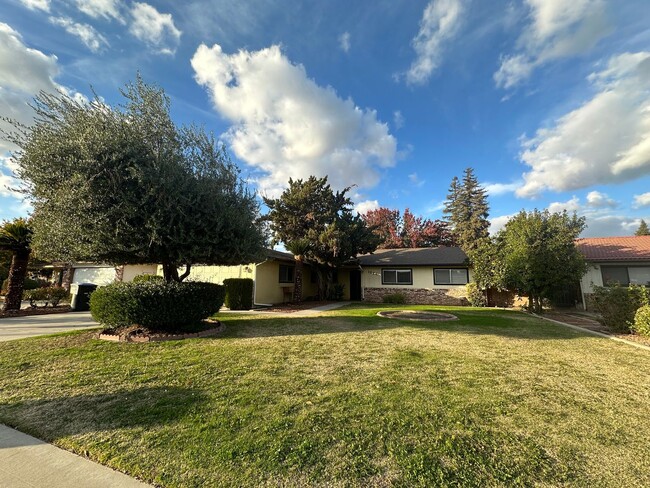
[
  {"x": 366, "y": 206},
  {"x": 555, "y": 29},
  {"x": 498, "y": 223},
  {"x": 605, "y": 140},
  {"x": 37, "y": 4},
  {"x": 88, "y": 35},
  {"x": 106, "y": 9},
  {"x": 286, "y": 125},
  {"x": 596, "y": 199},
  {"x": 642, "y": 200},
  {"x": 440, "y": 23},
  {"x": 23, "y": 73},
  {"x": 570, "y": 206},
  {"x": 497, "y": 189},
  {"x": 344, "y": 41},
  {"x": 154, "y": 28}
]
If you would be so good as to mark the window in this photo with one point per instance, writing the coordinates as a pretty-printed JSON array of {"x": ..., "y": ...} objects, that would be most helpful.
[
  {"x": 450, "y": 276},
  {"x": 625, "y": 275},
  {"x": 286, "y": 273},
  {"x": 396, "y": 277}
]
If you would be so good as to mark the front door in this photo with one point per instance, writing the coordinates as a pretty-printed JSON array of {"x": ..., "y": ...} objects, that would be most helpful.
[{"x": 355, "y": 284}]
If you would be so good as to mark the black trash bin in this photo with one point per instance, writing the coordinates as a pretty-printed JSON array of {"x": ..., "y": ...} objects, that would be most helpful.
[{"x": 81, "y": 302}]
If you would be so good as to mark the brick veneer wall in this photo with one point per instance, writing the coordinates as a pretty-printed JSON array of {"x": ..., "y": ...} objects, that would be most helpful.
[{"x": 420, "y": 296}]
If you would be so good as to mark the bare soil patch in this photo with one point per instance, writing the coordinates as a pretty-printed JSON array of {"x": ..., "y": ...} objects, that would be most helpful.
[
  {"x": 419, "y": 315},
  {"x": 136, "y": 333}
]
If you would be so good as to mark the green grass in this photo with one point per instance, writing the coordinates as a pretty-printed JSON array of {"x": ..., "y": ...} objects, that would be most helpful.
[{"x": 346, "y": 399}]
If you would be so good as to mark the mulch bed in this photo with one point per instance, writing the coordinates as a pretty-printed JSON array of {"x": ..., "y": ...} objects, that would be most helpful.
[
  {"x": 25, "y": 312},
  {"x": 136, "y": 333},
  {"x": 418, "y": 315}
]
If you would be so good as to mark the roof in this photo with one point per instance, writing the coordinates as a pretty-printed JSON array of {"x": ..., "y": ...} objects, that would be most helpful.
[
  {"x": 421, "y": 256},
  {"x": 279, "y": 255},
  {"x": 632, "y": 248}
]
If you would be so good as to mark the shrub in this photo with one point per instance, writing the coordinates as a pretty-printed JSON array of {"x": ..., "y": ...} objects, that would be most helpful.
[
  {"x": 642, "y": 321},
  {"x": 28, "y": 284},
  {"x": 396, "y": 298},
  {"x": 336, "y": 292},
  {"x": 239, "y": 293},
  {"x": 475, "y": 296},
  {"x": 617, "y": 305},
  {"x": 157, "y": 305},
  {"x": 51, "y": 295},
  {"x": 147, "y": 277}
]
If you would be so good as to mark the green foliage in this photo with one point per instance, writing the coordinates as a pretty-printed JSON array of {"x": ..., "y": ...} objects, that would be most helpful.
[
  {"x": 336, "y": 292},
  {"x": 617, "y": 305},
  {"x": 488, "y": 266},
  {"x": 643, "y": 229},
  {"x": 157, "y": 305},
  {"x": 394, "y": 298},
  {"x": 476, "y": 296},
  {"x": 310, "y": 211},
  {"x": 239, "y": 293},
  {"x": 538, "y": 255},
  {"x": 28, "y": 284},
  {"x": 642, "y": 321},
  {"x": 51, "y": 295},
  {"x": 147, "y": 277},
  {"x": 125, "y": 185},
  {"x": 467, "y": 210}
]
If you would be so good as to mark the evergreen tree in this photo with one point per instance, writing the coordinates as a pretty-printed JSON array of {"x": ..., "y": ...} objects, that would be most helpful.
[
  {"x": 467, "y": 210},
  {"x": 643, "y": 229}
]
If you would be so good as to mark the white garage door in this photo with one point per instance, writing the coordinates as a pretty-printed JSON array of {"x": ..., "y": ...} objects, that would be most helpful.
[{"x": 95, "y": 275}]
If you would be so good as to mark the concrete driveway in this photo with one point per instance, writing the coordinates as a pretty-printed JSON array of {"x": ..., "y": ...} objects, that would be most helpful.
[{"x": 36, "y": 325}]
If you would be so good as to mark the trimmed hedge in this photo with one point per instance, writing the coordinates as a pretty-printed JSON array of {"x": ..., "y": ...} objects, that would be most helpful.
[
  {"x": 51, "y": 295},
  {"x": 395, "y": 298},
  {"x": 157, "y": 305},
  {"x": 147, "y": 277},
  {"x": 475, "y": 295},
  {"x": 239, "y": 293},
  {"x": 617, "y": 305},
  {"x": 642, "y": 321}
]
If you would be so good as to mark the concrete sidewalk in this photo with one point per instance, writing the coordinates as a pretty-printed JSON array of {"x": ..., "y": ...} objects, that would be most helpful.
[
  {"x": 26, "y": 462},
  {"x": 34, "y": 325}
]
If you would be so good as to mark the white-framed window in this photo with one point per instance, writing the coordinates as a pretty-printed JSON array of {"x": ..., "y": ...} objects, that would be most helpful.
[
  {"x": 450, "y": 276},
  {"x": 625, "y": 275},
  {"x": 396, "y": 276}
]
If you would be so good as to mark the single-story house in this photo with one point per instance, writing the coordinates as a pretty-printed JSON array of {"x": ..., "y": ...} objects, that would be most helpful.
[{"x": 614, "y": 260}]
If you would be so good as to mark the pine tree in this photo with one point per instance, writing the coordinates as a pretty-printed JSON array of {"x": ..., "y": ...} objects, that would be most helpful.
[
  {"x": 467, "y": 211},
  {"x": 643, "y": 229}
]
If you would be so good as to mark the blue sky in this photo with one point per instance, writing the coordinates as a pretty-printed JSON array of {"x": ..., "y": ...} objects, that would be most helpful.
[{"x": 548, "y": 100}]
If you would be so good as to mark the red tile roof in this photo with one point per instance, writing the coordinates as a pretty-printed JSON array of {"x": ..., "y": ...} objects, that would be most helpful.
[{"x": 633, "y": 248}]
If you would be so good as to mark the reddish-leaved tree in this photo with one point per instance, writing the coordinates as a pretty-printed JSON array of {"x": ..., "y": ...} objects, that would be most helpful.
[{"x": 401, "y": 231}]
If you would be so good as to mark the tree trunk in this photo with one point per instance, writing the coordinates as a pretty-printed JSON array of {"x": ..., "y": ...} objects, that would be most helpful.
[
  {"x": 170, "y": 272},
  {"x": 297, "y": 287},
  {"x": 17, "y": 273},
  {"x": 68, "y": 274}
]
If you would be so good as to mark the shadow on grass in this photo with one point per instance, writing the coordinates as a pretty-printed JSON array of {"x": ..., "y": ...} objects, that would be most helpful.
[
  {"x": 53, "y": 418},
  {"x": 472, "y": 322}
]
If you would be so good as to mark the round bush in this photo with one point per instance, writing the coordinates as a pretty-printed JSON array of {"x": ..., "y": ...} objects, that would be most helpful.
[
  {"x": 642, "y": 321},
  {"x": 476, "y": 296},
  {"x": 157, "y": 305},
  {"x": 239, "y": 293}
]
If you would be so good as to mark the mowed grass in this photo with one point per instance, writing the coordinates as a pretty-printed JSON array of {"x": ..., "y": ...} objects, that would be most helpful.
[{"x": 346, "y": 399}]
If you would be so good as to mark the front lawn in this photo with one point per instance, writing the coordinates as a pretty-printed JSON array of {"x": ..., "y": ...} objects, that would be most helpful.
[{"x": 346, "y": 399}]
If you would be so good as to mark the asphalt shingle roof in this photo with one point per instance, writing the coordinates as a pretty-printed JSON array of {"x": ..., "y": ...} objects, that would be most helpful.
[
  {"x": 632, "y": 248},
  {"x": 422, "y": 256}
]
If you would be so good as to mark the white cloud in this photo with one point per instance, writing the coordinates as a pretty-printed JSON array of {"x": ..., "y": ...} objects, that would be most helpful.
[
  {"x": 366, "y": 206},
  {"x": 285, "y": 125},
  {"x": 23, "y": 73},
  {"x": 415, "y": 180},
  {"x": 88, "y": 35},
  {"x": 154, "y": 28},
  {"x": 605, "y": 140},
  {"x": 642, "y": 200},
  {"x": 570, "y": 206},
  {"x": 440, "y": 22},
  {"x": 556, "y": 29},
  {"x": 106, "y": 9},
  {"x": 596, "y": 199},
  {"x": 498, "y": 223},
  {"x": 398, "y": 119},
  {"x": 610, "y": 225},
  {"x": 344, "y": 41},
  {"x": 496, "y": 189},
  {"x": 37, "y": 4}
]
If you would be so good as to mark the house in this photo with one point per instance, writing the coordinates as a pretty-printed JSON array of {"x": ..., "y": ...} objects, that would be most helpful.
[
  {"x": 430, "y": 275},
  {"x": 96, "y": 274},
  {"x": 611, "y": 260}
]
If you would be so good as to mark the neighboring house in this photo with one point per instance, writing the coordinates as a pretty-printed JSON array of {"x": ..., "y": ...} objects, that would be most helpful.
[
  {"x": 614, "y": 260},
  {"x": 96, "y": 274},
  {"x": 430, "y": 276}
]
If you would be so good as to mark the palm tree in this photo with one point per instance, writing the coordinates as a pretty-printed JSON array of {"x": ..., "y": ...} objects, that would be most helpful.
[
  {"x": 298, "y": 248},
  {"x": 16, "y": 237}
]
